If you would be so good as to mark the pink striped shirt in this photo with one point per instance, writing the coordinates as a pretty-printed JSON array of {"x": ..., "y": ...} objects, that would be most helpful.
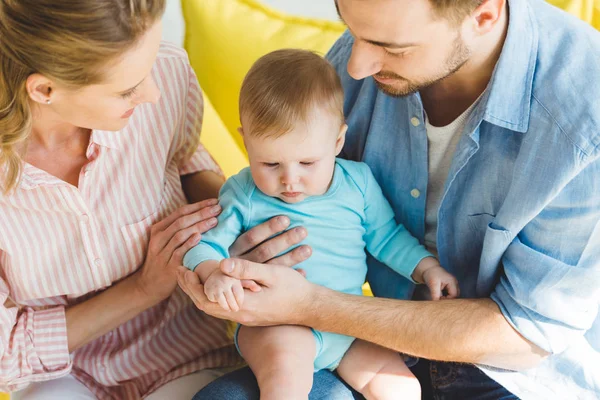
[{"x": 60, "y": 245}]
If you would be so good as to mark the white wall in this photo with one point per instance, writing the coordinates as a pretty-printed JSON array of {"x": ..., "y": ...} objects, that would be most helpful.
[
  {"x": 308, "y": 8},
  {"x": 173, "y": 26}
]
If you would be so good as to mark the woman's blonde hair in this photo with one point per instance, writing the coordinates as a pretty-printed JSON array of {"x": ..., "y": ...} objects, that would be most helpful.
[
  {"x": 283, "y": 87},
  {"x": 65, "y": 40}
]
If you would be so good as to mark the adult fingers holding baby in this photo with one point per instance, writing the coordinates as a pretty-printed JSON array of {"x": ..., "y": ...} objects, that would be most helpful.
[
  {"x": 255, "y": 245},
  {"x": 284, "y": 293},
  {"x": 170, "y": 239}
]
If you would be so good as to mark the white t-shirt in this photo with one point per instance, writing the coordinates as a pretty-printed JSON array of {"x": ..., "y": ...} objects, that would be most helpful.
[{"x": 442, "y": 143}]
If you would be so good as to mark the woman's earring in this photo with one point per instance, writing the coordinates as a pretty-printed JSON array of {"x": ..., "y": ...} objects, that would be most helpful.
[{"x": 48, "y": 101}]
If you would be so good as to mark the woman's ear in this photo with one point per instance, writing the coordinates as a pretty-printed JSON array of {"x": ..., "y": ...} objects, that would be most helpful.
[
  {"x": 341, "y": 139},
  {"x": 39, "y": 88},
  {"x": 240, "y": 131}
]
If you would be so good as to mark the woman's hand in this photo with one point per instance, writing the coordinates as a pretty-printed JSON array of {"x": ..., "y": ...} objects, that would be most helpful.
[{"x": 170, "y": 239}]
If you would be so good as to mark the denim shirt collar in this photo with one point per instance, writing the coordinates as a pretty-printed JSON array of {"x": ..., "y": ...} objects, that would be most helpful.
[{"x": 510, "y": 89}]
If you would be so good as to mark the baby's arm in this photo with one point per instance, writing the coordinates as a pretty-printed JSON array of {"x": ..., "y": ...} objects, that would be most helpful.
[
  {"x": 394, "y": 246},
  {"x": 204, "y": 258}
]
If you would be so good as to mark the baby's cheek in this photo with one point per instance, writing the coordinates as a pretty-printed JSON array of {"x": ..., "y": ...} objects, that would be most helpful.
[{"x": 266, "y": 183}]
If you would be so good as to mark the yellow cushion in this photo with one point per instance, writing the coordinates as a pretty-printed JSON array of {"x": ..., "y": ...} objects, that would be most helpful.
[
  {"x": 225, "y": 37},
  {"x": 587, "y": 10},
  {"x": 4, "y": 396},
  {"x": 219, "y": 143}
]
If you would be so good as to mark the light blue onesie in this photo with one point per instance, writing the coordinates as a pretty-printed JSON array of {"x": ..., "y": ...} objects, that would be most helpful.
[{"x": 351, "y": 216}]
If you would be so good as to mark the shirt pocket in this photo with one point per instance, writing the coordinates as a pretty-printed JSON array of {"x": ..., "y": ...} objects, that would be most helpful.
[
  {"x": 495, "y": 242},
  {"x": 137, "y": 238}
]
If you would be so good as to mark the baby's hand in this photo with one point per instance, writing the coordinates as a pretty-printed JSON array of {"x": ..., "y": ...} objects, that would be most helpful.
[
  {"x": 437, "y": 279},
  {"x": 227, "y": 291}
]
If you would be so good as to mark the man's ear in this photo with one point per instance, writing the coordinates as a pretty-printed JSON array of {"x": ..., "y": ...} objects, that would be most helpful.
[{"x": 341, "y": 139}]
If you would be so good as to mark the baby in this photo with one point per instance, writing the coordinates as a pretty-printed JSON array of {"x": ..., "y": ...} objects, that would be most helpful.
[{"x": 291, "y": 111}]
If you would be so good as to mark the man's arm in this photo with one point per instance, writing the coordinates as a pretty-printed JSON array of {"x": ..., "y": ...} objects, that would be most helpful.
[{"x": 462, "y": 330}]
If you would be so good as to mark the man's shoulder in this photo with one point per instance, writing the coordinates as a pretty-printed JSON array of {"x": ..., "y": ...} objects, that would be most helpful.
[
  {"x": 341, "y": 49},
  {"x": 567, "y": 77}
]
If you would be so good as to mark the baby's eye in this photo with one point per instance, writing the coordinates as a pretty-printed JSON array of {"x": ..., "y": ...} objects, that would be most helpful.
[
  {"x": 307, "y": 162},
  {"x": 271, "y": 165}
]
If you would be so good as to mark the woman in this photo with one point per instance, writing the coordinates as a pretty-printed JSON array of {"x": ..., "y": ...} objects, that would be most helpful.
[{"x": 99, "y": 156}]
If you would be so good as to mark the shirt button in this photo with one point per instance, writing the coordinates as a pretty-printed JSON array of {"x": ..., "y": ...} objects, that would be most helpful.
[
  {"x": 415, "y": 121},
  {"x": 97, "y": 261},
  {"x": 415, "y": 193},
  {"x": 86, "y": 173},
  {"x": 84, "y": 218}
]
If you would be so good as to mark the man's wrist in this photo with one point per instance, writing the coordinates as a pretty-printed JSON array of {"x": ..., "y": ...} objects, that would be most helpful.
[{"x": 310, "y": 310}]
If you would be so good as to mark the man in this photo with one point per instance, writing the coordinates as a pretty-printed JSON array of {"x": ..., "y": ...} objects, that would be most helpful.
[{"x": 480, "y": 120}]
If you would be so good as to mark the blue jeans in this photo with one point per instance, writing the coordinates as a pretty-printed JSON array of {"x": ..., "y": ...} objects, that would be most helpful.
[{"x": 439, "y": 381}]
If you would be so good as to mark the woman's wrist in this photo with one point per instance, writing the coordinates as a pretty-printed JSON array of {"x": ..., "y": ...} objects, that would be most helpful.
[
  {"x": 109, "y": 309},
  {"x": 142, "y": 292}
]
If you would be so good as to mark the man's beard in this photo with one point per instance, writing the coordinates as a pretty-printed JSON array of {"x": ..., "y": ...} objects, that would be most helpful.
[{"x": 456, "y": 59}]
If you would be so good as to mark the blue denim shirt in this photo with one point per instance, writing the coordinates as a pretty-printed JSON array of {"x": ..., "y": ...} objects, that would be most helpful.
[{"x": 519, "y": 220}]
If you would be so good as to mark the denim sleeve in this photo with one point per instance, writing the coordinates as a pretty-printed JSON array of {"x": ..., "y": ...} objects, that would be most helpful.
[
  {"x": 386, "y": 240},
  {"x": 216, "y": 242},
  {"x": 550, "y": 288}
]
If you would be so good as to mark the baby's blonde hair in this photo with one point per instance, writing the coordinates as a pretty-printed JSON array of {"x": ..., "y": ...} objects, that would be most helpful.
[{"x": 283, "y": 87}]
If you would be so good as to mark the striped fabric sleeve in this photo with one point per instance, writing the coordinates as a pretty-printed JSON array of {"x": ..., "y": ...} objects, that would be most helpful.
[
  {"x": 193, "y": 156},
  {"x": 33, "y": 344}
]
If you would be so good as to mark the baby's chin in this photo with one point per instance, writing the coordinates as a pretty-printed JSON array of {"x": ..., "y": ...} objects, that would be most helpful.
[{"x": 292, "y": 200}]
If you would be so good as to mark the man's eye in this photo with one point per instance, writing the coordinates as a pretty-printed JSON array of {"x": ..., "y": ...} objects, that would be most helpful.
[{"x": 399, "y": 55}]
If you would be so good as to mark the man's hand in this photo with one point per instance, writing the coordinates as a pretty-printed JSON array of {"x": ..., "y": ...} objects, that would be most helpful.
[
  {"x": 256, "y": 246},
  {"x": 285, "y": 296}
]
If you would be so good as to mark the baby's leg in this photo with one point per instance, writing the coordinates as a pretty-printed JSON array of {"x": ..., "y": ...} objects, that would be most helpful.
[
  {"x": 378, "y": 373},
  {"x": 282, "y": 359}
]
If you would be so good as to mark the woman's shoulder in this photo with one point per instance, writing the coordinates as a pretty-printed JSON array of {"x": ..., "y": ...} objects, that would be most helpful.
[
  {"x": 172, "y": 68},
  {"x": 169, "y": 50},
  {"x": 181, "y": 96}
]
